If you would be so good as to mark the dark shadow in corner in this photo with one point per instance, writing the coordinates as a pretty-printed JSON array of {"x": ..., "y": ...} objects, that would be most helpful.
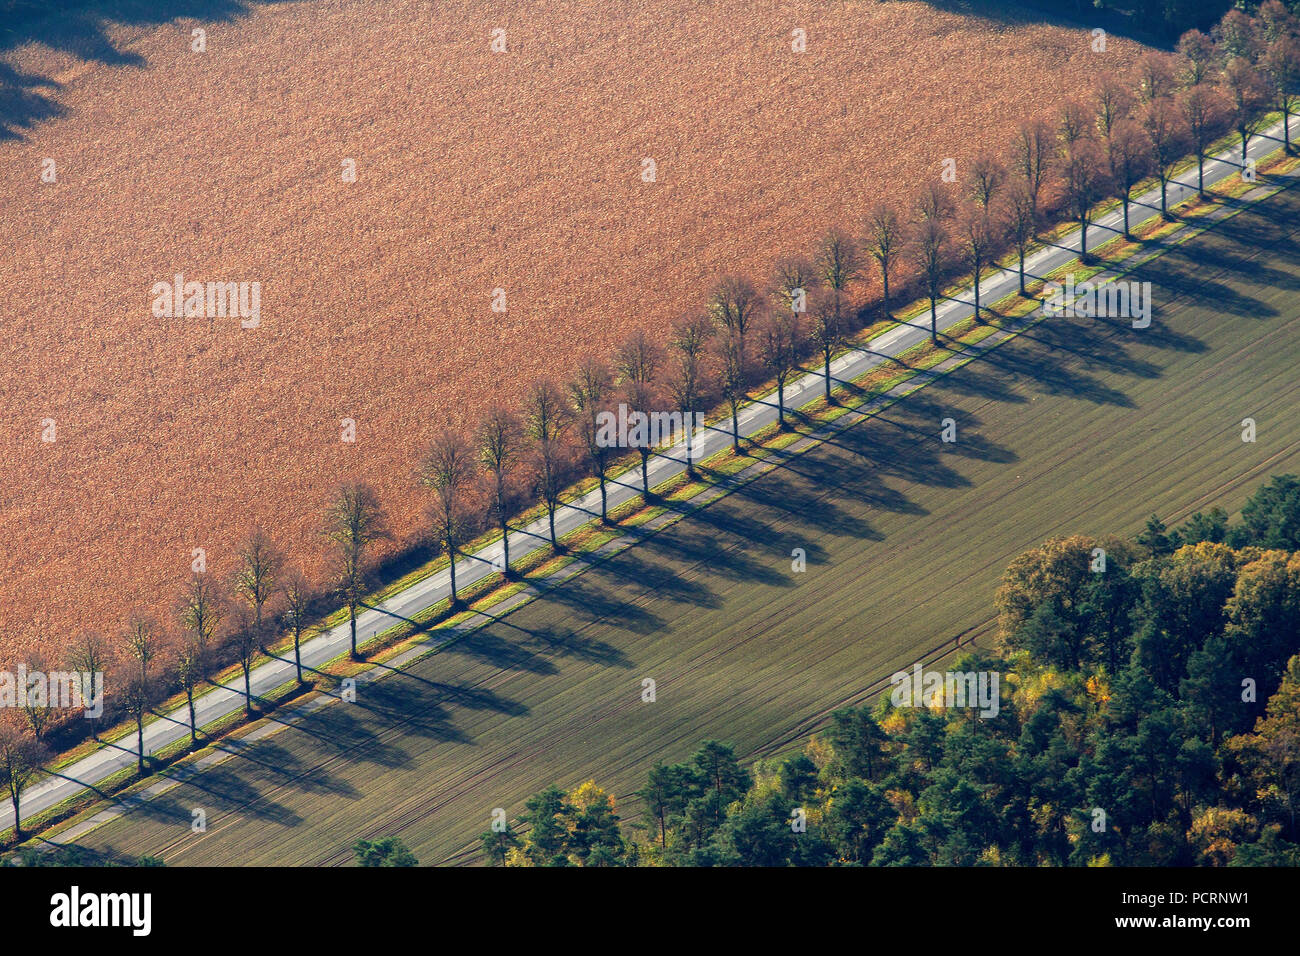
[{"x": 81, "y": 28}]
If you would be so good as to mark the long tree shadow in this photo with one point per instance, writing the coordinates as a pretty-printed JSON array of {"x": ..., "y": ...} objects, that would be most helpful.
[
  {"x": 491, "y": 648},
  {"x": 222, "y": 787},
  {"x": 563, "y": 642},
  {"x": 355, "y": 731},
  {"x": 700, "y": 540},
  {"x": 1052, "y": 373}
]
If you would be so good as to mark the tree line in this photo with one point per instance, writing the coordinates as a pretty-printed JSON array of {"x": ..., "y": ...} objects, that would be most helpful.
[
  {"x": 745, "y": 333},
  {"x": 1150, "y": 716}
]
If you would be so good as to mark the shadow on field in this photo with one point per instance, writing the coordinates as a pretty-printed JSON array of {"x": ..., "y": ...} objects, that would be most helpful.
[
  {"x": 1081, "y": 15},
  {"x": 80, "y": 28},
  {"x": 389, "y": 722}
]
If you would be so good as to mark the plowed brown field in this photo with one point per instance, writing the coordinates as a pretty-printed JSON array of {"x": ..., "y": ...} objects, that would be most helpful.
[{"x": 475, "y": 170}]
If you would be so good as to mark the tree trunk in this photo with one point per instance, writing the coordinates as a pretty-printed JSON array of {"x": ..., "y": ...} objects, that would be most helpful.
[
  {"x": 780, "y": 404},
  {"x": 505, "y": 547},
  {"x": 645, "y": 472},
  {"x": 451, "y": 566},
  {"x": 690, "y": 463},
  {"x": 352, "y": 617},
  {"x": 1083, "y": 239},
  {"x": 934, "y": 321},
  {"x": 248, "y": 693},
  {"x": 977, "y": 292},
  {"x": 1022, "y": 271},
  {"x": 884, "y": 275},
  {"x": 297, "y": 653},
  {"x": 550, "y": 514},
  {"x": 139, "y": 743},
  {"x": 1127, "y": 234},
  {"x": 1164, "y": 202},
  {"x": 735, "y": 429},
  {"x": 604, "y": 499},
  {"x": 194, "y": 731},
  {"x": 1200, "y": 173}
]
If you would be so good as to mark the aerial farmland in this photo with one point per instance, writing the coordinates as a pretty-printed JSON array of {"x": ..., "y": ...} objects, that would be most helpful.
[{"x": 692, "y": 434}]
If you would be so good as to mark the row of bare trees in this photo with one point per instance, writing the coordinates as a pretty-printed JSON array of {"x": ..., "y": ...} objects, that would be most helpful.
[
  {"x": 1095, "y": 148},
  {"x": 214, "y": 622}
]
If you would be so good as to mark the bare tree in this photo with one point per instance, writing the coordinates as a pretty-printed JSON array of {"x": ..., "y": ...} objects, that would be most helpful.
[
  {"x": 448, "y": 468},
  {"x": 932, "y": 201},
  {"x": 143, "y": 643},
  {"x": 36, "y": 706},
  {"x": 1201, "y": 108},
  {"x": 21, "y": 756},
  {"x": 89, "y": 657},
  {"x": 353, "y": 522},
  {"x": 1032, "y": 157},
  {"x": 589, "y": 394},
  {"x": 885, "y": 239},
  {"x": 779, "y": 344},
  {"x": 979, "y": 236},
  {"x": 498, "y": 452},
  {"x": 246, "y": 647},
  {"x": 688, "y": 340},
  {"x": 135, "y": 700},
  {"x": 200, "y": 610},
  {"x": 1155, "y": 79},
  {"x": 930, "y": 250},
  {"x": 1282, "y": 67},
  {"x": 987, "y": 176},
  {"x": 838, "y": 263},
  {"x": 1075, "y": 124},
  {"x": 793, "y": 280},
  {"x": 545, "y": 422},
  {"x": 732, "y": 381},
  {"x": 1021, "y": 227},
  {"x": 733, "y": 306},
  {"x": 1162, "y": 123},
  {"x": 295, "y": 611},
  {"x": 1084, "y": 179},
  {"x": 258, "y": 564},
  {"x": 827, "y": 332},
  {"x": 1114, "y": 105},
  {"x": 1197, "y": 57},
  {"x": 637, "y": 363},
  {"x": 1128, "y": 157},
  {"x": 1247, "y": 95},
  {"x": 191, "y": 671}
]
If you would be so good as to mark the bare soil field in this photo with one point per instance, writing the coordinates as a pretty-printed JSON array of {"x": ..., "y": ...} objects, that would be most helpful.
[{"x": 475, "y": 170}]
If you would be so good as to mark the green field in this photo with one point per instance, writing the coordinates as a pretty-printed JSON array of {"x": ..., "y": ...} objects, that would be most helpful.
[{"x": 1076, "y": 426}]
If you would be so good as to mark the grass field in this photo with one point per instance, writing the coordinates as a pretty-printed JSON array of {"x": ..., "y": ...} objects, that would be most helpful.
[
  {"x": 1076, "y": 426},
  {"x": 475, "y": 171}
]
